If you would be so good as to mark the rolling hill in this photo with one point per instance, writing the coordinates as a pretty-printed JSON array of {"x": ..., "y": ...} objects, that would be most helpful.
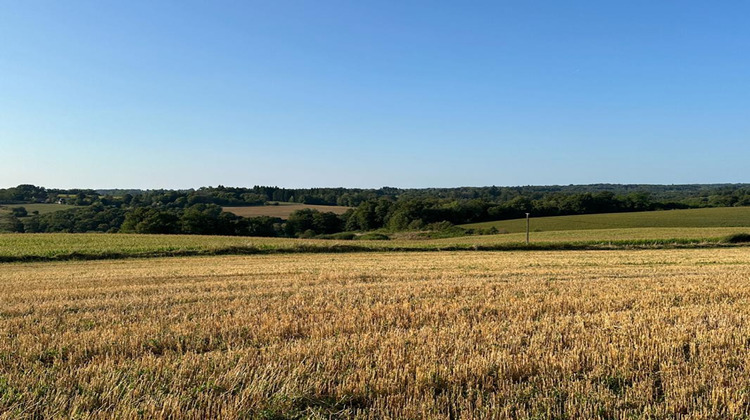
[{"x": 707, "y": 217}]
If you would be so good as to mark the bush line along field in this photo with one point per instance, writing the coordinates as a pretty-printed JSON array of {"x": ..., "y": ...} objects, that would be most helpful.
[
  {"x": 708, "y": 217},
  {"x": 605, "y": 334},
  {"x": 60, "y": 246}
]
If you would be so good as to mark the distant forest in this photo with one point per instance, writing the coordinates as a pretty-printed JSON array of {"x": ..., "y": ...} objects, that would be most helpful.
[{"x": 387, "y": 209}]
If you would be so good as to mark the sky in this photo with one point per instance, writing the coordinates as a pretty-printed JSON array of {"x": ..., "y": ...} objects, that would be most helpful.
[{"x": 184, "y": 94}]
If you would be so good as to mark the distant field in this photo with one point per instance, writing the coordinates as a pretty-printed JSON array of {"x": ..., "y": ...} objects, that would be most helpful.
[
  {"x": 283, "y": 210},
  {"x": 711, "y": 217},
  {"x": 40, "y": 207},
  {"x": 598, "y": 236}
]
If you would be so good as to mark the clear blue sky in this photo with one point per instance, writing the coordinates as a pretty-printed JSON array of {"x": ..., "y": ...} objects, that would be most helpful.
[{"x": 179, "y": 94}]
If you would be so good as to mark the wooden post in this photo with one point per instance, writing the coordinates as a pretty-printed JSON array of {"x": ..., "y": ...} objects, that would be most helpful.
[{"x": 527, "y": 228}]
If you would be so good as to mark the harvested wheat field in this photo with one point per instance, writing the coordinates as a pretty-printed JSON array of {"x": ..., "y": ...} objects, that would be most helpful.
[{"x": 584, "y": 334}]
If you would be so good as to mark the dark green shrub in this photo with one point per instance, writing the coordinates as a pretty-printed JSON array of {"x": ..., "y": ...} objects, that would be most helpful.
[
  {"x": 373, "y": 237},
  {"x": 19, "y": 211},
  {"x": 342, "y": 236},
  {"x": 738, "y": 238},
  {"x": 308, "y": 234}
]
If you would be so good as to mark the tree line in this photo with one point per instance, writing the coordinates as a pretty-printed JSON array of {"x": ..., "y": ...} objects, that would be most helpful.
[
  {"x": 200, "y": 211},
  {"x": 691, "y": 195}
]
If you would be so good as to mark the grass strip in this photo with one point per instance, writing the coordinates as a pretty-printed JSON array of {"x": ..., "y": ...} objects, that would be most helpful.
[{"x": 731, "y": 241}]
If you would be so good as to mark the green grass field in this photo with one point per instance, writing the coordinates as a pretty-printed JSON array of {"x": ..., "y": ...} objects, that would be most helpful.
[
  {"x": 601, "y": 236},
  {"x": 49, "y": 245},
  {"x": 64, "y": 246},
  {"x": 42, "y": 208},
  {"x": 693, "y": 218}
]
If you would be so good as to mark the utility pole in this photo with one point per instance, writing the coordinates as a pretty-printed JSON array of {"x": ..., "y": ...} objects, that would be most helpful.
[{"x": 527, "y": 227}]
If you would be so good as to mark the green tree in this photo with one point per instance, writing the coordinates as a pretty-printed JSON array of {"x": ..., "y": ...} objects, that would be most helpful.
[
  {"x": 299, "y": 222},
  {"x": 10, "y": 223},
  {"x": 147, "y": 220},
  {"x": 19, "y": 211}
]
